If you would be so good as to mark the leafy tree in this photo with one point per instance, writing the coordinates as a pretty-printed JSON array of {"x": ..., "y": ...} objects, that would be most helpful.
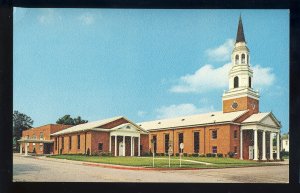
[
  {"x": 68, "y": 120},
  {"x": 21, "y": 122}
]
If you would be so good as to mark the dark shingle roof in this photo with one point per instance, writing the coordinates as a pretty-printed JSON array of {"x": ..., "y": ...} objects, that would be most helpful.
[{"x": 240, "y": 33}]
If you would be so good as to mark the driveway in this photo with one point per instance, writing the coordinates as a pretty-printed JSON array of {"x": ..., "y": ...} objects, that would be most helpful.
[{"x": 32, "y": 169}]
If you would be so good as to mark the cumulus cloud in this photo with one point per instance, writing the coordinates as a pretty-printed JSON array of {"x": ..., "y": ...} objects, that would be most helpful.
[
  {"x": 208, "y": 78},
  {"x": 204, "y": 79},
  {"x": 181, "y": 110},
  {"x": 48, "y": 16},
  {"x": 262, "y": 76},
  {"x": 86, "y": 19},
  {"x": 221, "y": 53}
]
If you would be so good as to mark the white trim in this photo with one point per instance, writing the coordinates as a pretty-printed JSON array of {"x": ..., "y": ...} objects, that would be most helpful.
[
  {"x": 277, "y": 145},
  {"x": 124, "y": 145},
  {"x": 241, "y": 144},
  {"x": 255, "y": 144},
  {"x": 139, "y": 146},
  {"x": 116, "y": 145},
  {"x": 264, "y": 146}
]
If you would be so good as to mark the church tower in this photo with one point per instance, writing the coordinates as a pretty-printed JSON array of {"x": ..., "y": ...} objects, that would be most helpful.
[{"x": 240, "y": 95}]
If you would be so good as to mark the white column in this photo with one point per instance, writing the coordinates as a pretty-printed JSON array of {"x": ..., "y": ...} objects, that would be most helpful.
[
  {"x": 255, "y": 145},
  {"x": 241, "y": 144},
  {"x": 271, "y": 146},
  {"x": 123, "y": 145},
  {"x": 131, "y": 146},
  {"x": 277, "y": 145},
  {"x": 115, "y": 145},
  {"x": 139, "y": 146},
  {"x": 264, "y": 146},
  {"x": 26, "y": 149},
  {"x": 21, "y": 148},
  {"x": 109, "y": 143}
]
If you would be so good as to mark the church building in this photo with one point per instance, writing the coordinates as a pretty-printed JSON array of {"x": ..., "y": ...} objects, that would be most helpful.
[{"x": 240, "y": 127}]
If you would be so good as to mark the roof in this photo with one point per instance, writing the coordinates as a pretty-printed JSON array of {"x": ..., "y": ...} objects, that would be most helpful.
[
  {"x": 199, "y": 119},
  {"x": 240, "y": 37},
  {"x": 86, "y": 126},
  {"x": 256, "y": 117},
  {"x": 94, "y": 126},
  {"x": 259, "y": 117}
]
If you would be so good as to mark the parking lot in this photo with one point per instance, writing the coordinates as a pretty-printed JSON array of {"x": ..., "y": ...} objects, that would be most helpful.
[{"x": 32, "y": 169}]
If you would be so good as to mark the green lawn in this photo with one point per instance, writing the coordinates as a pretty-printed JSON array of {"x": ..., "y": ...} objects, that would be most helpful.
[{"x": 164, "y": 163}]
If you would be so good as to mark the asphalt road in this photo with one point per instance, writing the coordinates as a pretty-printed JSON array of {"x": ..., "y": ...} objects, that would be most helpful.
[{"x": 30, "y": 169}]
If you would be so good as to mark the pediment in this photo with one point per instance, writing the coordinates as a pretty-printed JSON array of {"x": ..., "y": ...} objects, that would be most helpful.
[{"x": 271, "y": 121}]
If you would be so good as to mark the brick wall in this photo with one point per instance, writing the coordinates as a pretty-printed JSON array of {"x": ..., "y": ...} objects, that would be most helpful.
[
  {"x": 244, "y": 103},
  {"x": 223, "y": 142}
]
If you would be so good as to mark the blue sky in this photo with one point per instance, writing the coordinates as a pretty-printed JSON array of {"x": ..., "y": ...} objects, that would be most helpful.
[{"x": 143, "y": 64}]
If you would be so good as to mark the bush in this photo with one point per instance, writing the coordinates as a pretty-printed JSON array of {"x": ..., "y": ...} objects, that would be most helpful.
[
  {"x": 209, "y": 155},
  {"x": 231, "y": 154},
  {"x": 195, "y": 155},
  {"x": 220, "y": 155},
  {"x": 202, "y": 155},
  {"x": 177, "y": 154},
  {"x": 146, "y": 154},
  {"x": 185, "y": 154}
]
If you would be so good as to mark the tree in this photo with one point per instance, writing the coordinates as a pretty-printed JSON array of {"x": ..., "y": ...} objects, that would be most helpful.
[
  {"x": 21, "y": 122},
  {"x": 68, "y": 120}
]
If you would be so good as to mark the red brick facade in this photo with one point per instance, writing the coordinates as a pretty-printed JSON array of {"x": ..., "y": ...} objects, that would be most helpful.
[
  {"x": 244, "y": 103},
  {"x": 42, "y": 132}
]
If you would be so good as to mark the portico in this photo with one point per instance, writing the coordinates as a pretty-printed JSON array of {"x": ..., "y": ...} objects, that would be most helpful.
[
  {"x": 255, "y": 130},
  {"x": 42, "y": 142}
]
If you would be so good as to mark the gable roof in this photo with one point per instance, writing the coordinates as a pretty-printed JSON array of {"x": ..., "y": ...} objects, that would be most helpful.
[
  {"x": 199, "y": 119},
  {"x": 260, "y": 117},
  {"x": 93, "y": 126}
]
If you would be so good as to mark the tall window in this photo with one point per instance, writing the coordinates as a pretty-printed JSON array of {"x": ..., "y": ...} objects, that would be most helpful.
[
  {"x": 236, "y": 59},
  {"x": 196, "y": 142},
  {"x": 214, "y": 134},
  {"x": 62, "y": 142},
  {"x": 78, "y": 141},
  {"x": 249, "y": 82},
  {"x": 41, "y": 135},
  {"x": 214, "y": 149},
  {"x": 243, "y": 58},
  {"x": 70, "y": 142},
  {"x": 180, "y": 140},
  {"x": 56, "y": 143},
  {"x": 154, "y": 143},
  {"x": 236, "y": 82},
  {"x": 100, "y": 146},
  {"x": 167, "y": 143},
  {"x": 235, "y": 134}
]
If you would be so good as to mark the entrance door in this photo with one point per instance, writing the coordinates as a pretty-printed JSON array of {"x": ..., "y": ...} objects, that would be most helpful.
[
  {"x": 251, "y": 152},
  {"x": 121, "y": 153}
]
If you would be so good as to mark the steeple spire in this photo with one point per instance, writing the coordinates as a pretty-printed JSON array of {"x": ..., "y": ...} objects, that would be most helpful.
[{"x": 240, "y": 33}]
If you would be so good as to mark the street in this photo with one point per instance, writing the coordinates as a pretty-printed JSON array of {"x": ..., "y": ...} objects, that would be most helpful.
[{"x": 32, "y": 169}]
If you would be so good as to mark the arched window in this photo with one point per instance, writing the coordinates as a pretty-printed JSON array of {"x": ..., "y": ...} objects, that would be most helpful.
[
  {"x": 243, "y": 58},
  {"x": 249, "y": 82},
  {"x": 236, "y": 82},
  {"x": 236, "y": 59}
]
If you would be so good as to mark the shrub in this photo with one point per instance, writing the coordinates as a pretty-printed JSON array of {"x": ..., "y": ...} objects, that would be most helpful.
[
  {"x": 220, "y": 155},
  {"x": 231, "y": 154},
  {"x": 185, "y": 154},
  {"x": 146, "y": 154},
  {"x": 202, "y": 155},
  {"x": 208, "y": 155},
  {"x": 177, "y": 154},
  {"x": 195, "y": 155}
]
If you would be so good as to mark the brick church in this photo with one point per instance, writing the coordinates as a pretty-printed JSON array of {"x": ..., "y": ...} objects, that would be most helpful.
[{"x": 239, "y": 129}]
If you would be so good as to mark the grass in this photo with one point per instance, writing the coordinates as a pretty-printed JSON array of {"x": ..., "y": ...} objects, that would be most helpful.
[{"x": 164, "y": 163}]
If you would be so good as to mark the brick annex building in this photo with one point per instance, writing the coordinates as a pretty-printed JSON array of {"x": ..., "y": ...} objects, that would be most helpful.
[{"x": 239, "y": 128}]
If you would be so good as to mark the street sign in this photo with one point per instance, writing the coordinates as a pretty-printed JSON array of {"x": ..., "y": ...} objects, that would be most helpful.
[{"x": 181, "y": 146}]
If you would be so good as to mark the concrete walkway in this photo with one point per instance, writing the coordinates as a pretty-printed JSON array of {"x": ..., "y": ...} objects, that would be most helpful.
[{"x": 191, "y": 161}]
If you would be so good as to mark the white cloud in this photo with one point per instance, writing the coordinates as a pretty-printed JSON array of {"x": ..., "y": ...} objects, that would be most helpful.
[
  {"x": 181, "y": 110},
  {"x": 49, "y": 16},
  {"x": 208, "y": 78},
  {"x": 141, "y": 113},
  {"x": 221, "y": 53},
  {"x": 262, "y": 76},
  {"x": 86, "y": 19},
  {"x": 204, "y": 79}
]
